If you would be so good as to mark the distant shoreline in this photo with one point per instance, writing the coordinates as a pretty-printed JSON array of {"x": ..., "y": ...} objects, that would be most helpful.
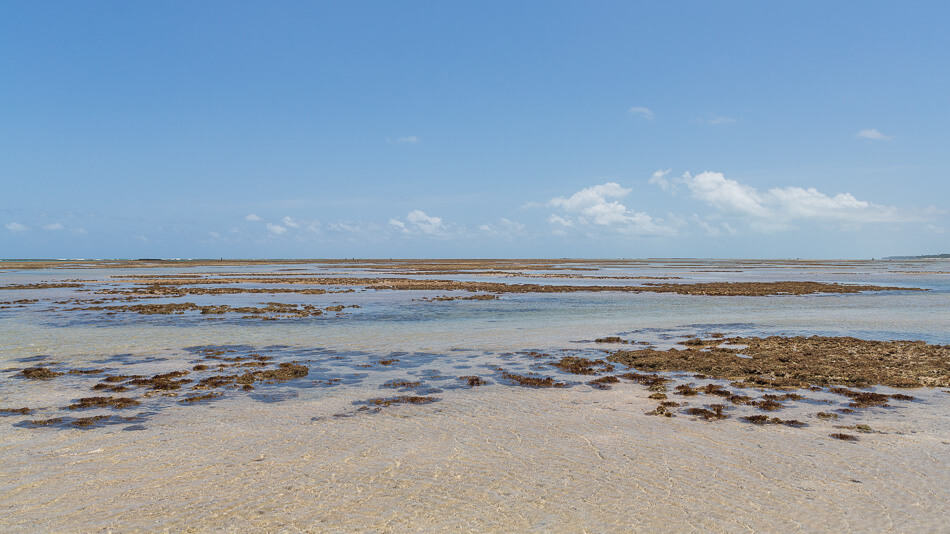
[{"x": 923, "y": 257}]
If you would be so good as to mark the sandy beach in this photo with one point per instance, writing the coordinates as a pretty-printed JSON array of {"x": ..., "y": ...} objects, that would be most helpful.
[{"x": 509, "y": 460}]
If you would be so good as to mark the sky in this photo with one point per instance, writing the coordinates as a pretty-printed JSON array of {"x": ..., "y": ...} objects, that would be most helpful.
[{"x": 474, "y": 129}]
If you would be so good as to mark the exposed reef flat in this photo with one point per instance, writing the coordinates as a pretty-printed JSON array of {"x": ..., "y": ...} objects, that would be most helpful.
[
  {"x": 271, "y": 310},
  {"x": 814, "y": 367},
  {"x": 157, "y": 285},
  {"x": 777, "y": 361}
]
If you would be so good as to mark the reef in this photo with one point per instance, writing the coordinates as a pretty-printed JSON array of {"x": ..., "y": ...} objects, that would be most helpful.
[
  {"x": 796, "y": 362},
  {"x": 403, "y": 399},
  {"x": 270, "y": 311},
  {"x": 603, "y": 382},
  {"x": 44, "y": 285},
  {"x": 15, "y": 411},
  {"x": 582, "y": 366},
  {"x": 402, "y": 384},
  {"x": 157, "y": 285},
  {"x": 533, "y": 381},
  {"x": 473, "y": 381},
  {"x": 444, "y": 298},
  {"x": 103, "y": 402},
  {"x": 844, "y": 437},
  {"x": 713, "y": 412},
  {"x": 39, "y": 373},
  {"x": 610, "y": 339}
]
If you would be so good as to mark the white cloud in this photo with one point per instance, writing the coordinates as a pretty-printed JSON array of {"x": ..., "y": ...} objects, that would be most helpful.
[
  {"x": 873, "y": 134},
  {"x": 659, "y": 179},
  {"x": 399, "y": 225},
  {"x": 251, "y": 217},
  {"x": 275, "y": 229},
  {"x": 592, "y": 202},
  {"x": 594, "y": 206},
  {"x": 425, "y": 223},
  {"x": 418, "y": 222},
  {"x": 290, "y": 222},
  {"x": 53, "y": 227},
  {"x": 557, "y": 219},
  {"x": 644, "y": 112},
  {"x": 725, "y": 194},
  {"x": 214, "y": 235},
  {"x": 16, "y": 227},
  {"x": 777, "y": 207}
]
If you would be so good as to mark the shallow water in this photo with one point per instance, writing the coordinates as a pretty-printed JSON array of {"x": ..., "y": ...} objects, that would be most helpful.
[{"x": 495, "y": 457}]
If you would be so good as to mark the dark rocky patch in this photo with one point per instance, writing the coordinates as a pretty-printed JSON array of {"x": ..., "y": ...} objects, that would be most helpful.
[{"x": 39, "y": 373}]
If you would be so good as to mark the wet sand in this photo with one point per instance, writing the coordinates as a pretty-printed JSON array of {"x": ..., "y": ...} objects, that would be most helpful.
[{"x": 585, "y": 463}]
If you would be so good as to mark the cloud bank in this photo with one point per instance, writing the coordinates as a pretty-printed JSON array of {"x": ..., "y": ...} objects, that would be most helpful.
[{"x": 780, "y": 206}]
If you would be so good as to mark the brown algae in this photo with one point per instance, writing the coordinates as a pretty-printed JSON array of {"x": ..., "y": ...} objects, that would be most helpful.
[
  {"x": 117, "y": 403},
  {"x": 39, "y": 373},
  {"x": 533, "y": 381}
]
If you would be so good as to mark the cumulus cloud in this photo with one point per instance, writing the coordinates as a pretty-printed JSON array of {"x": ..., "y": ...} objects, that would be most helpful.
[
  {"x": 53, "y": 227},
  {"x": 251, "y": 217},
  {"x": 275, "y": 229},
  {"x": 642, "y": 111},
  {"x": 874, "y": 135},
  {"x": 16, "y": 227},
  {"x": 289, "y": 222},
  {"x": 725, "y": 194},
  {"x": 418, "y": 222},
  {"x": 779, "y": 206},
  {"x": 597, "y": 206}
]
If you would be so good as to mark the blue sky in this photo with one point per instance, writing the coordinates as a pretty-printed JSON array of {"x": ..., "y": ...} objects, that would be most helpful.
[{"x": 489, "y": 129}]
